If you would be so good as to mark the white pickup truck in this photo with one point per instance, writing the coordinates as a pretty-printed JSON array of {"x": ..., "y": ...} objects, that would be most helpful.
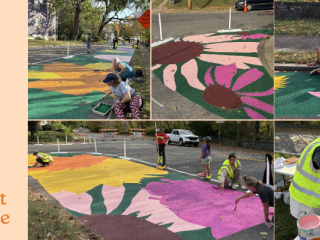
[{"x": 183, "y": 137}]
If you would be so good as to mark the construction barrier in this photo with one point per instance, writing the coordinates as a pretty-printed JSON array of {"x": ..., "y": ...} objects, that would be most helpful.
[
  {"x": 137, "y": 132},
  {"x": 109, "y": 133}
]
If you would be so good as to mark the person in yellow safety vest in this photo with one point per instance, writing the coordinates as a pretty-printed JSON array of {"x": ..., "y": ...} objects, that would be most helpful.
[
  {"x": 305, "y": 186},
  {"x": 230, "y": 172},
  {"x": 43, "y": 158}
]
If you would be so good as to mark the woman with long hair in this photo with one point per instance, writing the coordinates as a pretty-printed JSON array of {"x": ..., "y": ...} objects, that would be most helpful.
[
  {"x": 123, "y": 69},
  {"x": 265, "y": 193}
]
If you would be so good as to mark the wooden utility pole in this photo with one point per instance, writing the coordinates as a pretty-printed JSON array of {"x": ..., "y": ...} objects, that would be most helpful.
[{"x": 190, "y": 4}]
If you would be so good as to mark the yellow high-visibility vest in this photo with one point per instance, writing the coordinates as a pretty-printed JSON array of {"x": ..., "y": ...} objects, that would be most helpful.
[
  {"x": 226, "y": 165},
  {"x": 305, "y": 186},
  {"x": 46, "y": 157}
]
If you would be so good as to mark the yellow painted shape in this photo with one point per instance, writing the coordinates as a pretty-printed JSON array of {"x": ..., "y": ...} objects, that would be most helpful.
[
  {"x": 279, "y": 82},
  {"x": 31, "y": 159},
  {"x": 33, "y": 74},
  {"x": 43, "y": 84},
  {"x": 113, "y": 51},
  {"x": 99, "y": 66},
  {"x": 111, "y": 172},
  {"x": 75, "y": 75}
]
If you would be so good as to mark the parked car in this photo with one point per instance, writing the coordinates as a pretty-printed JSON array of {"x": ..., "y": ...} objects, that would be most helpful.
[
  {"x": 254, "y": 4},
  {"x": 183, "y": 137}
]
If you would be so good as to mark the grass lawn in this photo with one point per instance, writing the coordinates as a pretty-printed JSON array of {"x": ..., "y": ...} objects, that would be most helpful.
[
  {"x": 41, "y": 43},
  {"x": 285, "y": 155},
  {"x": 48, "y": 221},
  {"x": 156, "y": 3},
  {"x": 218, "y": 5},
  {"x": 142, "y": 88},
  {"x": 294, "y": 57},
  {"x": 303, "y": 27},
  {"x": 285, "y": 223}
]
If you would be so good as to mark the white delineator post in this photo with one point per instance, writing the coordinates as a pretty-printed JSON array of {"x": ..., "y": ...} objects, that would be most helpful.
[
  {"x": 58, "y": 145},
  {"x": 66, "y": 139},
  {"x": 38, "y": 140},
  {"x": 89, "y": 139},
  {"x": 124, "y": 148},
  {"x": 230, "y": 19},
  {"x": 95, "y": 145},
  {"x": 160, "y": 26},
  {"x": 68, "y": 50}
]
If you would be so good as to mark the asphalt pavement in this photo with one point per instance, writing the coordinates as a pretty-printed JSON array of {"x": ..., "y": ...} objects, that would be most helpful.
[
  {"x": 181, "y": 158},
  {"x": 43, "y": 54},
  {"x": 167, "y": 104}
]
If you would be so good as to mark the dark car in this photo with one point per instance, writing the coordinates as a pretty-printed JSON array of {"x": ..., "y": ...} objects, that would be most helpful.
[{"x": 254, "y": 4}]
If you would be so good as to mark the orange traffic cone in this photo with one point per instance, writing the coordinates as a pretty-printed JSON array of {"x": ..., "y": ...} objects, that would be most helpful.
[{"x": 245, "y": 6}]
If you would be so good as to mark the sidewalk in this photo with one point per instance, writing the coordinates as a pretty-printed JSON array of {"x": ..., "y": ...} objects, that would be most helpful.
[{"x": 296, "y": 44}]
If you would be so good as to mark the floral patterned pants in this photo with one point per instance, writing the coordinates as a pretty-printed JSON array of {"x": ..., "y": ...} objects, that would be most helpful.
[{"x": 135, "y": 104}]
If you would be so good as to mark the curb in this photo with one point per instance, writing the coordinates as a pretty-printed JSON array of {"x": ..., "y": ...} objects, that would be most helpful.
[
  {"x": 263, "y": 55},
  {"x": 294, "y": 67}
]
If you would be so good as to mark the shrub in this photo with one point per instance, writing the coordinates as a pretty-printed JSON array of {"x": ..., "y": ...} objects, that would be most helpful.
[
  {"x": 47, "y": 127},
  {"x": 96, "y": 37},
  {"x": 39, "y": 38}
]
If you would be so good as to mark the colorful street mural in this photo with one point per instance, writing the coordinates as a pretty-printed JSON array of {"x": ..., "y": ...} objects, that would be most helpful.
[
  {"x": 297, "y": 94},
  {"x": 141, "y": 200},
  {"x": 220, "y": 72},
  {"x": 67, "y": 88}
]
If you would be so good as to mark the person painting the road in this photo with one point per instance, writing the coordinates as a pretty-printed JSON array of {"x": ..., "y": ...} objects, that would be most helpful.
[
  {"x": 305, "y": 186},
  {"x": 162, "y": 141},
  {"x": 265, "y": 193},
  {"x": 89, "y": 39},
  {"x": 126, "y": 97},
  {"x": 230, "y": 172},
  {"x": 206, "y": 157},
  {"x": 123, "y": 70},
  {"x": 43, "y": 158}
]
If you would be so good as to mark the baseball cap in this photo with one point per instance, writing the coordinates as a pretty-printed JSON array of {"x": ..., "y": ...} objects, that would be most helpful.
[
  {"x": 110, "y": 77},
  {"x": 207, "y": 138}
]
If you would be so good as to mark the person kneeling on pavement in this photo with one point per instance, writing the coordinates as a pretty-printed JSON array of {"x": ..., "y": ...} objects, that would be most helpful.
[
  {"x": 230, "y": 172},
  {"x": 126, "y": 97},
  {"x": 265, "y": 193},
  {"x": 43, "y": 158}
]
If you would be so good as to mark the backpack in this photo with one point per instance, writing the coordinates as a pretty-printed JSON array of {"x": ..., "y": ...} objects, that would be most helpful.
[{"x": 139, "y": 73}]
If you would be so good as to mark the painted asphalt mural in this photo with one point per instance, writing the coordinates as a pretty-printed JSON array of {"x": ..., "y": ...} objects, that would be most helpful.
[
  {"x": 220, "y": 72},
  {"x": 67, "y": 88},
  {"x": 297, "y": 94},
  {"x": 141, "y": 200}
]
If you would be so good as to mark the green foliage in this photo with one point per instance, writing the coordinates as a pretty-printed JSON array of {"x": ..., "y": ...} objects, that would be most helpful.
[
  {"x": 116, "y": 35},
  {"x": 33, "y": 128},
  {"x": 96, "y": 37},
  {"x": 39, "y": 38},
  {"x": 47, "y": 127}
]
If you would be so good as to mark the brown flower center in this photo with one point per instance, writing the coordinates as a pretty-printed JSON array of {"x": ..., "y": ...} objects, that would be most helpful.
[
  {"x": 221, "y": 96},
  {"x": 176, "y": 52}
]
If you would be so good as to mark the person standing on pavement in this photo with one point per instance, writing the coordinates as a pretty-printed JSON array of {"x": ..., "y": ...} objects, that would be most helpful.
[
  {"x": 110, "y": 43},
  {"x": 89, "y": 39},
  {"x": 317, "y": 62},
  {"x": 265, "y": 193},
  {"x": 230, "y": 172},
  {"x": 206, "y": 158},
  {"x": 162, "y": 141},
  {"x": 305, "y": 186},
  {"x": 43, "y": 158}
]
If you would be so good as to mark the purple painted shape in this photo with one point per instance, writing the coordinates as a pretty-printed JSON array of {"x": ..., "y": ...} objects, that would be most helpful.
[
  {"x": 110, "y": 57},
  {"x": 224, "y": 74},
  {"x": 253, "y": 114},
  {"x": 78, "y": 203},
  {"x": 250, "y": 76},
  {"x": 208, "y": 78},
  {"x": 196, "y": 202},
  {"x": 258, "y": 94},
  {"x": 255, "y": 36},
  {"x": 258, "y": 104},
  {"x": 125, "y": 49},
  {"x": 316, "y": 94}
]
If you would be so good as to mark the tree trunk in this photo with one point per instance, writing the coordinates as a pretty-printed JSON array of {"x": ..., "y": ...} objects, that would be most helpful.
[
  {"x": 190, "y": 4},
  {"x": 257, "y": 130},
  {"x": 170, "y": 130},
  {"x": 76, "y": 23}
]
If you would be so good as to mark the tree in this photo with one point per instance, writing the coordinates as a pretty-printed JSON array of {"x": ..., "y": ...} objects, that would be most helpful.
[{"x": 33, "y": 128}]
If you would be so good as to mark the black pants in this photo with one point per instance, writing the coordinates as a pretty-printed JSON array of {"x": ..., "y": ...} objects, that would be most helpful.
[
  {"x": 39, "y": 160},
  {"x": 162, "y": 153}
]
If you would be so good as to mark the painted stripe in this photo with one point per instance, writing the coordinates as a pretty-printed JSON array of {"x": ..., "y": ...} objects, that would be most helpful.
[
  {"x": 305, "y": 191},
  {"x": 157, "y": 102}
]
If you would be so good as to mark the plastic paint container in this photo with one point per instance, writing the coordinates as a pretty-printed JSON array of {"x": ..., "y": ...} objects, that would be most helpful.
[{"x": 308, "y": 227}]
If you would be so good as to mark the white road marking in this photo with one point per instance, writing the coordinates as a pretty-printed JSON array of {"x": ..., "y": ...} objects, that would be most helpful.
[{"x": 157, "y": 102}]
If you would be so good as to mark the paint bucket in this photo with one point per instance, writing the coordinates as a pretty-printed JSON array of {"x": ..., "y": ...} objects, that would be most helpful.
[
  {"x": 286, "y": 197},
  {"x": 308, "y": 227},
  {"x": 277, "y": 195}
]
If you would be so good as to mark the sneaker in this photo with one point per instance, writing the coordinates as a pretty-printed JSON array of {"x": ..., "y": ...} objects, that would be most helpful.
[
  {"x": 234, "y": 187},
  {"x": 243, "y": 187},
  {"x": 208, "y": 177}
]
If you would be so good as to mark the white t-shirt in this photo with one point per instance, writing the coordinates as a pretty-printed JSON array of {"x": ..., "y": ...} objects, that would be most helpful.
[{"x": 121, "y": 89}]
